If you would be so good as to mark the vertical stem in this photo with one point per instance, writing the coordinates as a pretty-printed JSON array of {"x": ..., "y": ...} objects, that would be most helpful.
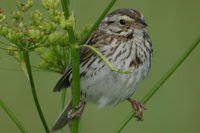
[
  {"x": 75, "y": 57},
  {"x": 12, "y": 116},
  {"x": 75, "y": 85},
  {"x": 63, "y": 99},
  {"x": 37, "y": 104},
  {"x": 75, "y": 61},
  {"x": 65, "y": 7},
  {"x": 64, "y": 91}
]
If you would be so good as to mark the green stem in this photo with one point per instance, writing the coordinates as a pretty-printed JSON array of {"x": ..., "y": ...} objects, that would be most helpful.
[
  {"x": 75, "y": 69},
  {"x": 29, "y": 71},
  {"x": 64, "y": 91},
  {"x": 65, "y": 7},
  {"x": 76, "y": 59},
  {"x": 12, "y": 116},
  {"x": 163, "y": 80},
  {"x": 98, "y": 21},
  {"x": 63, "y": 99},
  {"x": 75, "y": 86}
]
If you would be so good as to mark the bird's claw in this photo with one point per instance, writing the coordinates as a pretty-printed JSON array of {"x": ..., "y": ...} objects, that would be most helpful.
[
  {"x": 78, "y": 112},
  {"x": 138, "y": 108}
]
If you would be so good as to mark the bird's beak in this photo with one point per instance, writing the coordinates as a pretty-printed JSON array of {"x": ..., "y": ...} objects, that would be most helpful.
[
  {"x": 140, "y": 21},
  {"x": 139, "y": 24}
]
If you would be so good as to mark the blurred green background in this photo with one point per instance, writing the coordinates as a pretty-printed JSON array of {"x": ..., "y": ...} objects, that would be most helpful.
[{"x": 175, "y": 108}]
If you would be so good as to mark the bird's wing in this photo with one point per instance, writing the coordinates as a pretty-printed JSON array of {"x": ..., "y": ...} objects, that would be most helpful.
[
  {"x": 96, "y": 40},
  {"x": 64, "y": 81}
]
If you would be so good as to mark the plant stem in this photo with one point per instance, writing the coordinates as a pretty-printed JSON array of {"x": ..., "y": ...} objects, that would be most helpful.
[
  {"x": 12, "y": 116},
  {"x": 30, "y": 76},
  {"x": 63, "y": 99},
  {"x": 171, "y": 70},
  {"x": 75, "y": 60},
  {"x": 75, "y": 85},
  {"x": 98, "y": 21},
  {"x": 164, "y": 78},
  {"x": 64, "y": 91},
  {"x": 65, "y": 7}
]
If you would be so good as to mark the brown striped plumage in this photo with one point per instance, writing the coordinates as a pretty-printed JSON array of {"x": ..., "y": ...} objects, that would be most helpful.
[{"x": 123, "y": 39}]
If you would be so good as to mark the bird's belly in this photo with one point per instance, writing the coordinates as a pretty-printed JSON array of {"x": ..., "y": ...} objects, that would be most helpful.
[{"x": 110, "y": 88}]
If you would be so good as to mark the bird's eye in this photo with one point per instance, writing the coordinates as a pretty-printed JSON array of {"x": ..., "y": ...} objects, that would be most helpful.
[{"x": 122, "y": 21}]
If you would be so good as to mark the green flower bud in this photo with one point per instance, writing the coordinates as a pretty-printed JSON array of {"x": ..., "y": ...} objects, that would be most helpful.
[
  {"x": 47, "y": 27},
  {"x": 4, "y": 30},
  {"x": 45, "y": 4},
  {"x": 17, "y": 16},
  {"x": 56, "y": 4},
  {"x": 65, "y": 40},
  {"x": 26, "y": 6},
  {"x": 36, "y": 17},
  {"x": 71, "y": 22},
  {"x": 55, "y": 36},
  {"x": 2, "y": 18},
  {"x": 63, "y": 22},
  {"x": 35, "y": 34},
  {"x": 50, "y": 4},
  {"x": 67, "y": 24},
  {"x": 55, "y": 15},
  {"x": 14, "y": 35}
]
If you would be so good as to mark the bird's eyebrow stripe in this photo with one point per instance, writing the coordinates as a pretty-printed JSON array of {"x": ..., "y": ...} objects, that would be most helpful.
[{"x": 125, "y": 17}]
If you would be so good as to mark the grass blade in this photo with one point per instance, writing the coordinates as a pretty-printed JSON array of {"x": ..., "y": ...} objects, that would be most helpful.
[
  {"x": 12, "y": 116},
  {"x": 165, "y": 77}
]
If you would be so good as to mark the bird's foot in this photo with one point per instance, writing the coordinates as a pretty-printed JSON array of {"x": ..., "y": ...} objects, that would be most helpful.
[
  {"x": 79, "y": 110},
  {"x": 138, "y": 108}
]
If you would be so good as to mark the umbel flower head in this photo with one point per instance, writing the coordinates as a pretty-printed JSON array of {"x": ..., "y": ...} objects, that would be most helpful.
[{"x": 46, "y": 35}]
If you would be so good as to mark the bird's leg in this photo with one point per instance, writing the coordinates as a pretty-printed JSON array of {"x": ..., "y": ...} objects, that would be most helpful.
[
  {"x": 138, "y": 108},
  {"x": 80, "y": 107}
]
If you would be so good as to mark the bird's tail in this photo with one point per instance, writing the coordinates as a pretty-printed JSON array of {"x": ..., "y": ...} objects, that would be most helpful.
[{"x": 63, "y": 118}]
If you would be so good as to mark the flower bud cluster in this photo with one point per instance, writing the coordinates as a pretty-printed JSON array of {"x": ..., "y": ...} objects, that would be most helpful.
[
  {"x": 36, "y": 17},
  {"x": 26, "y": 6},
  {"x": 51, "y": 4},
  {"x": 47, "y": 36}
]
